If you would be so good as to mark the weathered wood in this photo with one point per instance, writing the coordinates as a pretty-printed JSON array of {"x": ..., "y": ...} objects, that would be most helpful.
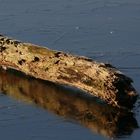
[
  {"x": 98, "y": 79},
  {"x": 69, "y": 104}
]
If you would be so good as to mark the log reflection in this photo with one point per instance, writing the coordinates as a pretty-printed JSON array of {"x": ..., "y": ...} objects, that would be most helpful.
[{"x": 71, "y": 104}]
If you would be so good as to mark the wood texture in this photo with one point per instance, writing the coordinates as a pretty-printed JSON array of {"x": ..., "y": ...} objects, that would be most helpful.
[
  {"x": 70, "y": 104},
  {"x": 98, "y": 79}
]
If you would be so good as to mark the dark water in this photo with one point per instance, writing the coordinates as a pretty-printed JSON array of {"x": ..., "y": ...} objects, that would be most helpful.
[{"x": 105, "y": 30}]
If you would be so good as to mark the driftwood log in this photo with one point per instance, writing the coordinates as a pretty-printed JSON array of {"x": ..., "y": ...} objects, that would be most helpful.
[
  {"x": 70, "y": 104},
  {"x": 98, "y": 79}
]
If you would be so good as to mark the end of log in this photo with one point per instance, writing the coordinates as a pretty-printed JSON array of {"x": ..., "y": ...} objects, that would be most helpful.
[
  {"x": 127, "y": 95},
  {"x": 118, "y": 88},
  {"x": 98, "y": 79}
]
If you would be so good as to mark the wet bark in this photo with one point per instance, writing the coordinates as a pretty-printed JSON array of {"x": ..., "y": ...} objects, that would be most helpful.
[{"x": 97, "y": 79}]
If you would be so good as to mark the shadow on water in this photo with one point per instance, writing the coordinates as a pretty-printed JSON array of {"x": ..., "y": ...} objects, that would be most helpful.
[{"x": 69, "y": 103}]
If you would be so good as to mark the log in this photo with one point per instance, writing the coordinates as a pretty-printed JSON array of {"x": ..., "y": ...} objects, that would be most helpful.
[
  {"x": 97, "y": 79},
  {"x": 73, "y": 105}
]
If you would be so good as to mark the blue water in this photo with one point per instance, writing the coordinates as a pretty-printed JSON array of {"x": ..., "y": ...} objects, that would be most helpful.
[{"x": 105, "y": 30}]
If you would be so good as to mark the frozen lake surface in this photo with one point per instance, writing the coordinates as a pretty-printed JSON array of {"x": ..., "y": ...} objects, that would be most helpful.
[{"x": 104, "y": 30}]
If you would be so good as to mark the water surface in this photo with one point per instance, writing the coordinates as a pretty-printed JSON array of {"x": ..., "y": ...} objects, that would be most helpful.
[{"x": 107, "y": 31}]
